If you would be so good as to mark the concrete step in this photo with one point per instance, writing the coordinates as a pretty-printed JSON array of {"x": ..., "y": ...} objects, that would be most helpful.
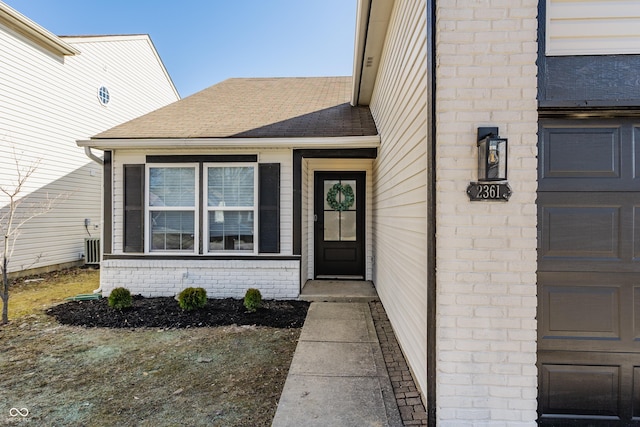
[{"x": 339, "y": 291}]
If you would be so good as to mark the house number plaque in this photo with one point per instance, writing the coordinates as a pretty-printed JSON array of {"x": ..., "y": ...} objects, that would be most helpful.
[{"x": 479, "y": 191}]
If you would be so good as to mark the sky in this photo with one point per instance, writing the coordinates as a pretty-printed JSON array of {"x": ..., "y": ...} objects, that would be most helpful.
[{"x": 203, "y": 42}]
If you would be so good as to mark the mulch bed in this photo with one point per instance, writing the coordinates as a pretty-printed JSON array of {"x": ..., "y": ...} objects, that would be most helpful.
[{"x": 165, "y": 312}]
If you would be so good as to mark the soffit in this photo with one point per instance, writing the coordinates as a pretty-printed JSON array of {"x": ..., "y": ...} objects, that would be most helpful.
[{"x": 370, "y": 38}]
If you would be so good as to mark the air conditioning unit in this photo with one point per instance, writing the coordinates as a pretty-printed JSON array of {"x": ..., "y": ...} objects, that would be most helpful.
[{"x": 92, "y": 251}]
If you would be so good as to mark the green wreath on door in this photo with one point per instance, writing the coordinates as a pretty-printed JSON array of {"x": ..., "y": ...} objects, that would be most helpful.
[{"x": 347, "y": 196}]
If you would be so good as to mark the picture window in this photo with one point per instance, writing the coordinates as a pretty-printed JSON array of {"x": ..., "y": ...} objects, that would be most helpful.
[
  {"x": 229, "y": 203},
  {"x": 171, "y": 209}
]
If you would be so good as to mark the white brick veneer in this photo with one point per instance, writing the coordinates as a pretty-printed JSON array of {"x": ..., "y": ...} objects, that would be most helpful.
[
  {"x": 486, "y": 251},
  {"x": 276, "y": 279}
]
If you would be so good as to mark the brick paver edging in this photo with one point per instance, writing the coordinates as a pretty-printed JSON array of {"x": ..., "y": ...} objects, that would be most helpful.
[{"x": 412, "y": 409}]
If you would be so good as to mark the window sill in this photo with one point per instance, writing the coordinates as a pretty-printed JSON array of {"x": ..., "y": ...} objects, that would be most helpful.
[{"x": 210, "y": 257}]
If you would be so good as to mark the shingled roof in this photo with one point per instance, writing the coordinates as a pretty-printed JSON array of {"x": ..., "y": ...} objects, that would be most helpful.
[{"x": 256, "y": 108}]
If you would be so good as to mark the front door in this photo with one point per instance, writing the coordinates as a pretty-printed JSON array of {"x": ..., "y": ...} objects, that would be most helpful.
[{"x": 339, "y": 225}]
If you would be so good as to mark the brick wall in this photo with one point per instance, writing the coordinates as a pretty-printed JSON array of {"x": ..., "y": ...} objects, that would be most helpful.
[
  {"x": 486, "y": 251},
  {"x": 276, "y": 279}
]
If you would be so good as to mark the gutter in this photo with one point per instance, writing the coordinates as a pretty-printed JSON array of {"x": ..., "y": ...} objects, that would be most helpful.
[
  {"x": 100, "y": 161},
  {"x": 369, "y": 141},
  {"x": 92, "y": 156},
  {"x": 362, "y": 24},
  {"x": 34, "y": 32}
]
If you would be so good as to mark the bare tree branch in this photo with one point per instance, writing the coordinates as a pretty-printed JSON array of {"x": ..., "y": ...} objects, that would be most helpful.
[{"x": 13, "y": 220}]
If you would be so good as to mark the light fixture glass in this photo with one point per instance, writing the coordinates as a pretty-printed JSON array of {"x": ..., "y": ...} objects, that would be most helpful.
[{"x": 492, "y": 158}]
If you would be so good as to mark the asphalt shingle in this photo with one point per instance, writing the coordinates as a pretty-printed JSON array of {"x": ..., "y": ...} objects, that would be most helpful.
[{"x": 256, "y": 108}]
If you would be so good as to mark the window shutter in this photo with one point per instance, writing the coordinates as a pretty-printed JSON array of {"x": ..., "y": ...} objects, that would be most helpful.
[
  {"x": 133, "y": 208},
  {"x": 269, "y": 207},
  {"x": 107, "y": 211}
]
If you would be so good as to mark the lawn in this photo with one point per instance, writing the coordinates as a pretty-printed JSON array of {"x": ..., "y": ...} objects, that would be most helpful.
[
  {"x": 31, "y": 295},
  {"x": 75, "y": 376}
]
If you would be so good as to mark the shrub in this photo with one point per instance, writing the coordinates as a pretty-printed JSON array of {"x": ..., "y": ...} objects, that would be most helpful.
[
  {"x": 252, "y": 299},
  {"x": 192, "y": 298},
  {"x": 120, "y": 298}
]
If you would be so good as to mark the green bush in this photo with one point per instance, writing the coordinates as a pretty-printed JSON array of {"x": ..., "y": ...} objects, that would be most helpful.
[
  {"x": 252, "y": 299},
  {"x": 192, "y": 298},
  {"x": 120, "y": 298}
]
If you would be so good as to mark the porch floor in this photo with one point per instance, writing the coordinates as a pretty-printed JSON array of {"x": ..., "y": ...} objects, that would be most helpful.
[{"x": 339, "y": 291}]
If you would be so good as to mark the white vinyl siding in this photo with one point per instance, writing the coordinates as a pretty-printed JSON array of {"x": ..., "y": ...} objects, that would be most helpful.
[
  {"x": 49, "y": 102},
  {"x": 400, "y": 182},
  {"x": 592, "y": 27}
]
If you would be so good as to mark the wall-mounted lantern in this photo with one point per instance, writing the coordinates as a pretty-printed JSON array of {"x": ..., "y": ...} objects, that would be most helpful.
[
  {"x": 492, "y": 155},
  {"x": 492, "y": 167}
]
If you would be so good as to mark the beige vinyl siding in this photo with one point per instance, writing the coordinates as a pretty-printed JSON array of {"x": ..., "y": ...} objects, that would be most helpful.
[
  {"x": 306, "y": 227},
  {"x": 400, "y": 182},
  {"x": 592, "y": 27},
  {"x": 48, "y": 102},
  {"x": 282, "y": 156}
]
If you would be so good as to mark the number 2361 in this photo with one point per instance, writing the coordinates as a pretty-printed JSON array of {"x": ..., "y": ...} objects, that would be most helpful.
[{"x": 488, "y": 191}]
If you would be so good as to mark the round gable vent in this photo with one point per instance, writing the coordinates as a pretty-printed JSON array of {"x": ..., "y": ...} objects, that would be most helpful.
[{"x": 103, "y": 95}]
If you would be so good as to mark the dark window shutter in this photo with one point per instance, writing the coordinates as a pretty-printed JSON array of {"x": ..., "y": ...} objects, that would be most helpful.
[
  {"x": 133, "y": 208},
  {"x": 107, "y": 212},
  {"x": 269, "y": 207}
]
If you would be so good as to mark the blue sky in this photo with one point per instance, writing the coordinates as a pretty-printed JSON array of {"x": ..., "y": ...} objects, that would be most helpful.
[{"x": 203, "y": 42}]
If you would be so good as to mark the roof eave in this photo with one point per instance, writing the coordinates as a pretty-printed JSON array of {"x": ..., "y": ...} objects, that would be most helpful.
[
  {"x": 34, "y": 32},
  {"x": 362, "y": 18},
  {"x": 368, "y": 141},
  {"x": 371, "y": 29}
]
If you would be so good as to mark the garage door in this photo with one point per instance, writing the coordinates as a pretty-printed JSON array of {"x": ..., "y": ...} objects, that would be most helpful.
[{"x": 589, "y": 272}]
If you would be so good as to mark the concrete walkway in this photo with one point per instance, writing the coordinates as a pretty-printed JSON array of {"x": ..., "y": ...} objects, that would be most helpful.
[{"x": 338, "y": 376}]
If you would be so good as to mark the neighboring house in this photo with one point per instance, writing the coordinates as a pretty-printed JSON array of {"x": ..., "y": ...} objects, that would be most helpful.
[
  {"x": 53, "y": 91},
  {"x": 508, "y": 312}
]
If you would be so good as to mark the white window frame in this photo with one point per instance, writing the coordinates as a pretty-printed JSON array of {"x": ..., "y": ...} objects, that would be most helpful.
[
  {"x": 148, "y": 209},
  {"x": 207, "y": 208}
]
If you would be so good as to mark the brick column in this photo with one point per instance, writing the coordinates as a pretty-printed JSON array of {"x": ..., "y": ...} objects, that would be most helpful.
[{"x": 486, "y": 251}]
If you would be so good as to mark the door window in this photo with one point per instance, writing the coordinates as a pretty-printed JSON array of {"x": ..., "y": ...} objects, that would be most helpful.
[{"x": 340, "y": 210}]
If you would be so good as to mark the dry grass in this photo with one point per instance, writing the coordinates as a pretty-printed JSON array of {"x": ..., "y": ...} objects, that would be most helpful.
[
  {"x": 70, "y": 376},
  {"x": 74, "y": 376},
  {"x": 30, "y": 295}
]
